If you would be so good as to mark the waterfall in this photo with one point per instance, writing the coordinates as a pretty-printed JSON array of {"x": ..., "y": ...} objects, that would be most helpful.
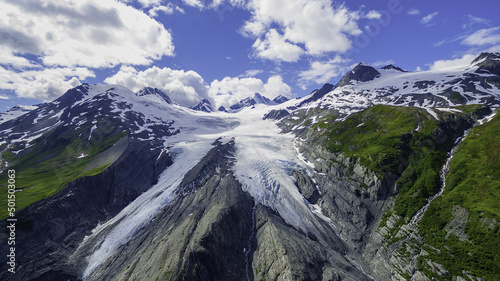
[{"x": 444, "y": 171}]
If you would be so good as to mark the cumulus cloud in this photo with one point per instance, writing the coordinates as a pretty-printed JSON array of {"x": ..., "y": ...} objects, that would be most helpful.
[
  {"x": 463, "y": 62},
  {"x": 487, "y": 36},
  {"x": 427, "y": 19},
  {"x": 275, "y": 47},
  {"x": 286, "y": 29},
  {"x": 231, "y": 90},
  {"x": 45, "y": 84},
  {"x": 194, "y": 3},
  {"x": 321, "y": 72},
  {"x": 62, "y": 36},
  {"x": 373, "y": 15},
  {"x": 85, "y": 33},
  {"x": 184, "y": 87}
]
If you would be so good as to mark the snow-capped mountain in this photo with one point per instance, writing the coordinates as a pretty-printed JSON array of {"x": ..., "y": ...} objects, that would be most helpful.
[
  {"x": 365, "y": 86},
  {"x": 154, "y": 92},
  {"x": 15, "y": 112},
  {"x": 251, "y": 101},
  {"x": 204, "y": 105},
  {"x": 280, "y": 99},
  {"x": 117, "y": 185}
]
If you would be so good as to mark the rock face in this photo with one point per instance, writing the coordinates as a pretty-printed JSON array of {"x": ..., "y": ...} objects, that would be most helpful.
[
  {"x": 276, "y": 114},
  {"x": 201, "y": 236},
  {"x": 155, "y": 92},
  {"x": 361, "y": 73},
  {"x": 204, "y": 105},
  {"x": 59, "y": 223},
  {"x": 318, "y": 94}
]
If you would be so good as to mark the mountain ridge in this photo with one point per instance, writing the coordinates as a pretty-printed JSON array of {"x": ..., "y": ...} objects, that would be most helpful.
[{"x": 127, "y": 185}]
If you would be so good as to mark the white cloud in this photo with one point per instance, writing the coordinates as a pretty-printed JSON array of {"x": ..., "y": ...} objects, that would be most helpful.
[
  {"x": 413, "y": 12},
  {"x": 150, "y": 3},
  {"x": 473, "y": 20},
  {"x": 231, "y": 90},
  {"x": 88, "y": 33},
  {"x": 322, "y": 72},
  {"x": 373, "y": 15},
  {"x": 275, "y": 47},
  {"x": 461, "y": 62},
  {"x": 427, "y": 19},
  {"x": 184, "y": 87},
  {"x": 45, "y": 84},
  {"x": 68, "y": 38},
  {"x": 488, "y": 36},
  {"x": 194, "y": 3},
  {"x": 252, "y": 73},
  {"x": 439, "y": 43},
  {"x": 8, "y": 57},
  {"x": 166, "y": 9},
  {"x": 286, "y": 29}
]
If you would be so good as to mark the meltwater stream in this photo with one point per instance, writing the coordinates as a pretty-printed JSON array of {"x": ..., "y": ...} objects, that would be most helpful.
[{"x": 444, "y": 171}]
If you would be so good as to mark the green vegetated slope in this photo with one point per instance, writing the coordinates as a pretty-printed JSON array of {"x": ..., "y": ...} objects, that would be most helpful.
[
  {"x": 463, "y": 224},
  {"x": 54, "y": 160},
  {"x": 403, "y": 142}
]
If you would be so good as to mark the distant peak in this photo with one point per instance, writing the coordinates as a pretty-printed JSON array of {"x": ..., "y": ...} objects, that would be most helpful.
[
  {"x": 154, "y": 92},
  {"x": 251, "y": 101},
  {"x": 204, "y": 105},
  {"x": 280, "y": 99},
  {"x": 392, "y": 67}
]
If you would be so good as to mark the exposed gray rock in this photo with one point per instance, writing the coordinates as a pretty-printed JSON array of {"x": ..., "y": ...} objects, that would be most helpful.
[
  {"x": 201, "y": 235},
  {"x": 54, "y": 227},
  {"x": 283, "y": 253},
  {"x": 456, "y": 226},
  {"x": 276, "y": 114}
]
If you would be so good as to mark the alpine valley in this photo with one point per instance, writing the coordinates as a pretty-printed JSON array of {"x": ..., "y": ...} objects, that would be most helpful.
[{"x": 388, "y": 175}]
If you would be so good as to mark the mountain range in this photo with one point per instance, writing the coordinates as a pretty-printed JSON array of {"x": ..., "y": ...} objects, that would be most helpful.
[{"x": 387, "y": 175}]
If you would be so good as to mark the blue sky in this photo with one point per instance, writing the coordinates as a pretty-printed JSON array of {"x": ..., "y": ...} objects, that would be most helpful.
[{"x": 225, "y": 50}]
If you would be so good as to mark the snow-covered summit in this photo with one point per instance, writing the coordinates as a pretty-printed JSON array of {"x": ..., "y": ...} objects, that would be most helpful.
[
  {"x": 204, "y": 105},
  {"x": 251, "y": 101},
  {"x": 16, "y": 111},
  {"x": 475, "y": 83},
  {"x": 154, "y": 92}
]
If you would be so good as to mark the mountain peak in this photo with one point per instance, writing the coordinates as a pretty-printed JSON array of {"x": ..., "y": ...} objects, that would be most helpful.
[
  {"x": 149, "y": 91},
  {"x": 392, "y": 67},
  {"x": 361, "y": 73},
  {"x": 204, "y": 105},
  {"x": 488, "y": 63},
  {"x": 280, "y": 99},
  {"x": 251, "y": 101}
]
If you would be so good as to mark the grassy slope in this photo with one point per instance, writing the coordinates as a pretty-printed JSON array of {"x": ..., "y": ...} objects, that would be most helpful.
[
  {"x": 386, "y": 140},
  {"x": 474, "y": 184},
  {"x": 53, "y": 162}
]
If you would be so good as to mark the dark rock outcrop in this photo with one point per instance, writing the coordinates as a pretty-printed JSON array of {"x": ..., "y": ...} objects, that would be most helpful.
[
  {"x": 276, "y": 114},
  {"x": 58, "y": 224},
  {"x": 361, "y": 73}
]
